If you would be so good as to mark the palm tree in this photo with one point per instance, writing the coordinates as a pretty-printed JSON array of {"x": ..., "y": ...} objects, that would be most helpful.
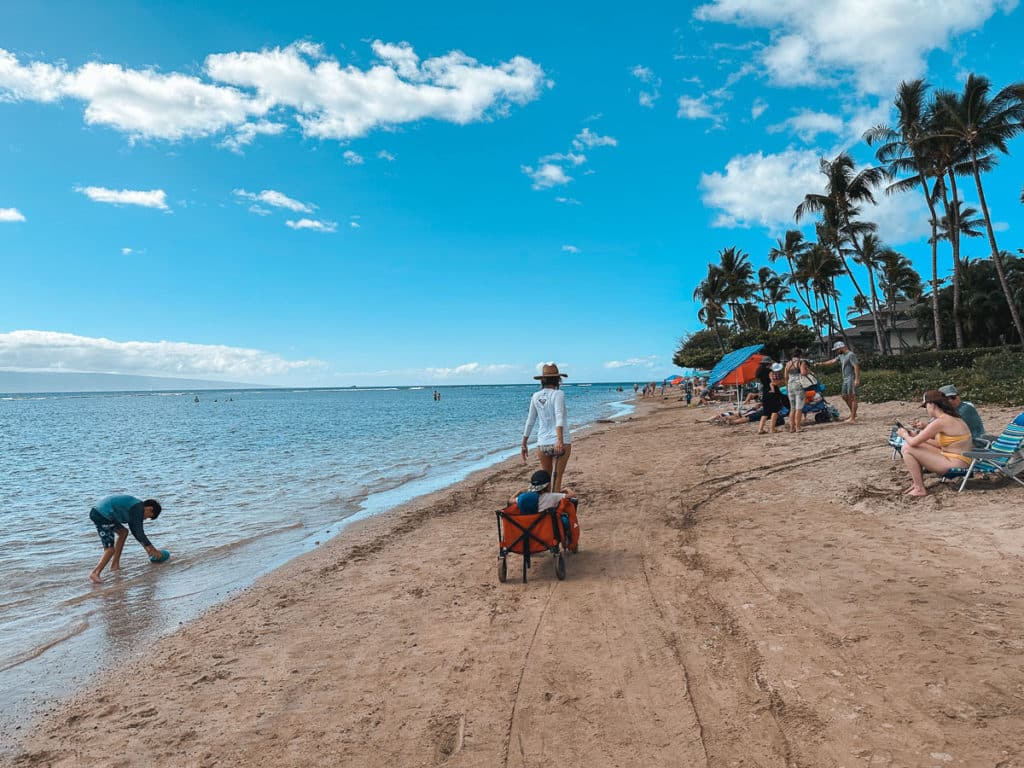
[
  {"x": 870, "y": 250},
  {"x": 711, "y": 294},
  {"x": 818, "y": 268},
  {"x": 905, "y": 149},
  {"x": 737, "y": 277},
  {"x": 982, "y": 124},
  {"x": 969, "y": 224},
  {"x": 897, "y": 280},
  {"x": 772, "y": 290},
  {"x": 845, "y": 189},
  {"x": 792, "y": 316},
  {"x": 791, "y": 247}
]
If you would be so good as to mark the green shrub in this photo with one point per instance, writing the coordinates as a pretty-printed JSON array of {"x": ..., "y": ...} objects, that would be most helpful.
[
  {"x": 931, "y": 358},
  {"x": 878, "y": 386},
  {"x": 1000, "y": 366}
]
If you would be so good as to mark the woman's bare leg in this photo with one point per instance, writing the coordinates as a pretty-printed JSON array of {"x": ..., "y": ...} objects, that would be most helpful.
[
  {"x": 546, "y": 462},
  {"x": 921, "y": 457},
  {"x": 562, "y": 461}
]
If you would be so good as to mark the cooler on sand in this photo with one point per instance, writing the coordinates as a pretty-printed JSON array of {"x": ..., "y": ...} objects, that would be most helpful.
[{"x": 530, "y": 532}]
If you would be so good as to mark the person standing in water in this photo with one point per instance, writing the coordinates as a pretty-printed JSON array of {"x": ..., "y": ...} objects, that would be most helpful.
[
  {"x": 547, "y": 411},
  {"x": 111, "y": 515}
]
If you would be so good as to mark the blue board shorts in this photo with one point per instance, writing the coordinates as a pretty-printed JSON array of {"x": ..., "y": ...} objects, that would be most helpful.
[
  {"x": 848, "y": 387},
  {"x": 105, "y": 528}
]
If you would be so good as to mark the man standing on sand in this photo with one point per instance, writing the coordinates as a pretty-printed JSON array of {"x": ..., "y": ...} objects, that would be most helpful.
[
  {"x": 847, "y": 361},
  {"x": 110, "y": 516}
]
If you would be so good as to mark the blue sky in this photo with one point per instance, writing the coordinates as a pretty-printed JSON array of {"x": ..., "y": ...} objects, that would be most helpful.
[{"x": 417, "y": 193}]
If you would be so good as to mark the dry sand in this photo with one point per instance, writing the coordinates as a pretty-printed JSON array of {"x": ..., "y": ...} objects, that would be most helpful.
[{"x": 737, "y": 601}]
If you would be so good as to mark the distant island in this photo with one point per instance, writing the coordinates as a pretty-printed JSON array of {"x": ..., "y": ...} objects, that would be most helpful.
[{"x": 14, "y": 382}]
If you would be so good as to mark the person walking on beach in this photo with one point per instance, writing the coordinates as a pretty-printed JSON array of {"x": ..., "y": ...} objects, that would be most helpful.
[
  {"x": 797, "y": 373},
  {"x": 111, "y": 515},
  {"x": 847, "y": 361},
  {"x": 547, "y": 411},
  {"x": 769, "y": 374}
]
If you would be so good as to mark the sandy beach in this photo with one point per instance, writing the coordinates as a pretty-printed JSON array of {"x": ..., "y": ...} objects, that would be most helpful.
[{"x": 738, "y": 600}]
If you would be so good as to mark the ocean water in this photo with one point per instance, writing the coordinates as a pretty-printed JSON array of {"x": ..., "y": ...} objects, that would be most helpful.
[{"x": 248, "y": 479}]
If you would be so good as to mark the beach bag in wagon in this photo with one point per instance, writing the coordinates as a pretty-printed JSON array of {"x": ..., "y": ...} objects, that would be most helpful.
[{"x": 524, "y": 530}]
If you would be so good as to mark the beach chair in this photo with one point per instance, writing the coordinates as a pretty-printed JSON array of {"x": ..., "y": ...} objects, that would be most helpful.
[
  {"x": 1002, "y": 458},
  {"x": 528, "y": 532}
]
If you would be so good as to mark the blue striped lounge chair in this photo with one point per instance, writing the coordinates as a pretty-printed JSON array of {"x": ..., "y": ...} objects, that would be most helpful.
[{"x": 1003, "y": 457}]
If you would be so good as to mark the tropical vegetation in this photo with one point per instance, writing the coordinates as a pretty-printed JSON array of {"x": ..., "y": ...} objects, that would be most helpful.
[{"x": 941, "y": 146}]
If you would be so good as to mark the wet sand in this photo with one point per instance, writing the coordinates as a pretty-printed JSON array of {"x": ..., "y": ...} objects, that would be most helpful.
[{"x": 738, "y": 600}]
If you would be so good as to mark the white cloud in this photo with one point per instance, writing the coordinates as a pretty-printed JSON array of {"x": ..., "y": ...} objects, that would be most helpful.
[
  {"x": 696, "y": 109},
  {"x": 547, "y": 175},
  {"x": 646, "y": 75},
  {"x": 550, "y": 170},
  {"x": 760, "y": 189},
  {"x": 11, "y": 214},
  {"x": 53, "y": 351},
  {"x": 876, "y": 43},
  {"x": 568, "y": 201},
  {"x": 633, "y": 362},
  {"x": 238, "y": 92},
  {"x": 352, "y": 158},
  {"x": 386, "y": 156},
  {"x": 570, "y": 249},
  {"x": 758, "y": 108},
  {"x": 807, "y": 124},
  {"x": 354, "y": 224},
  {"x": 146, "y": 198},
  {"x": 274, "y": 198},
  {"x": 469, "y": 369},
  {"x": 247, "y": 133},
  {"x": 127, "y": 251},
  {"x": 568, "y": 157},
  {"x": 313, "y": 224},
  {"x": 259, "y": 210},
  {"x": 642, "y": 73},
  {"x": 764, "y": 190},
  {"x": 588, "y": 139}
]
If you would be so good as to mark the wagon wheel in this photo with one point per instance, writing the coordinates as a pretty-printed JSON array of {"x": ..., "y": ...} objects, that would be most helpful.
[
  {"x": 502, "y": 569},
  {"x": 560, "y": 566}
]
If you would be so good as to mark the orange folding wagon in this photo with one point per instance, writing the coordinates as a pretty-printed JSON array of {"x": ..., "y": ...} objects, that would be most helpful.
[{"x": 529, "y": 533}]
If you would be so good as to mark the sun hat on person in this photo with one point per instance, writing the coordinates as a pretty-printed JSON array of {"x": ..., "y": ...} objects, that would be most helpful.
[
  {"x": 549, "y": 371},
  {"x": 949, "y": 390},
  {"x": 933, "y": 396},
  {"x": 777, "y": 367},
  {"x": 838, "y": 345}
]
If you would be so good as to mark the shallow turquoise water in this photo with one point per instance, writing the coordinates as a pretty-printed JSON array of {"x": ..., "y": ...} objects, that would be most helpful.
[{"x": 248, "y": 479}]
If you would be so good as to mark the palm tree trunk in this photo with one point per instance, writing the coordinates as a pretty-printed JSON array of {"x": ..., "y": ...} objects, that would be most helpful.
[
  {"x": 996, "y": 258},
  {"x": 873, "y": 303},
  {"x": 935, "y": 264},
  {"x": 864, "y": 298},
  {"x": 953, "y": 217},
  {"x": 883, "y": 339}
]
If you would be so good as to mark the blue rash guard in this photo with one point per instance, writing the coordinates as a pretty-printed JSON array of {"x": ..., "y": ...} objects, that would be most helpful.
[{"x": 124, "y": 510}]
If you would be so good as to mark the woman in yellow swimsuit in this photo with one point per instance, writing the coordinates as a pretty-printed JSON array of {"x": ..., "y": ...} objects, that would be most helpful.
[{"x": 939, "y": 446}]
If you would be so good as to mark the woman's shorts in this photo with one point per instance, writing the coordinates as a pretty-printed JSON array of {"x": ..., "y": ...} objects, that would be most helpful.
[
  {"x": 549, "y": 450},
  {"x": 796, "y": 398},
  {"x": 105, "y": 528}
]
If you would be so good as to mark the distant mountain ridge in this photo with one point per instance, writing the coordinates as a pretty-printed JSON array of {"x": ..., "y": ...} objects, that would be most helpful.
[{"x": 16, "y": 382}]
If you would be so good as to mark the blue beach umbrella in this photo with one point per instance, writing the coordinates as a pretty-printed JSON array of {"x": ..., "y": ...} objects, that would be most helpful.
[{"x": 737, "y": 367}]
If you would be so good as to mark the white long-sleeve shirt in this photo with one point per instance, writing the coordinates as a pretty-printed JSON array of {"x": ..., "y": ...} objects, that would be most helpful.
[{"x": 547, "y": 411}]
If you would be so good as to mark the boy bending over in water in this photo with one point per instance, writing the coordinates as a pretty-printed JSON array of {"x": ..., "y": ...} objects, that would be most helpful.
[{"x": 111, "y": 515}]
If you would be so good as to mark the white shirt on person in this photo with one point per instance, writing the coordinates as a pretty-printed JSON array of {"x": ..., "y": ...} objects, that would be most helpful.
[{"x": 547, "y": 411}]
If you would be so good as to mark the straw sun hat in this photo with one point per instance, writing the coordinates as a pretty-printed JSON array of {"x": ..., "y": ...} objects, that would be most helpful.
[{"x": 550, "y": 370}]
